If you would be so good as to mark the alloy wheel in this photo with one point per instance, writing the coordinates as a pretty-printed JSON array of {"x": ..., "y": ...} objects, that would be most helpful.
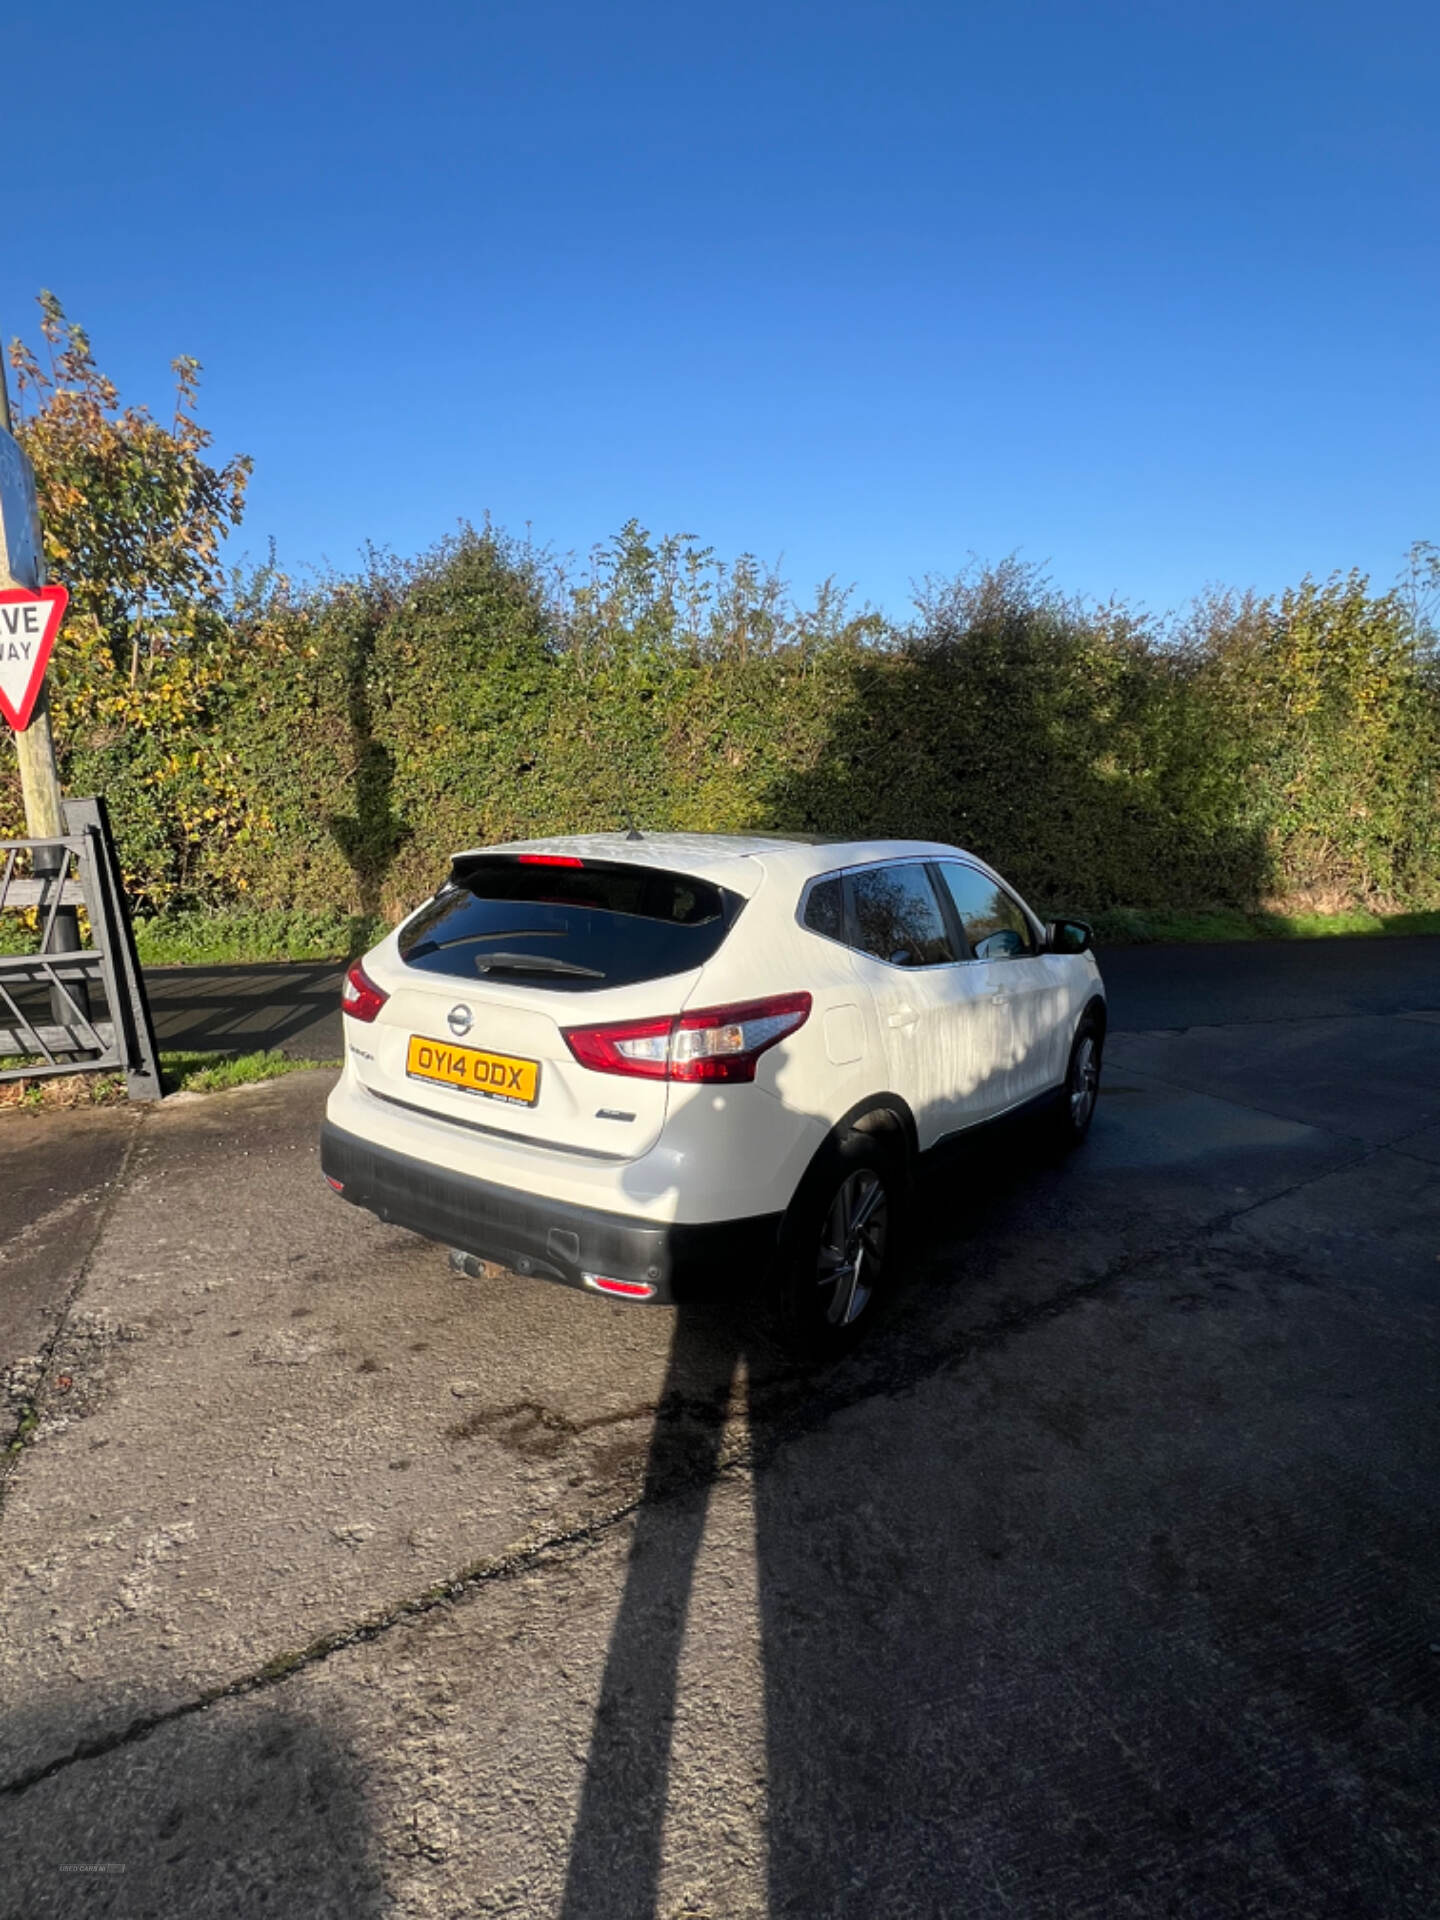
[
  {"x": 852, "y": 1246},
  {"x": 1084, "y": 1082}
]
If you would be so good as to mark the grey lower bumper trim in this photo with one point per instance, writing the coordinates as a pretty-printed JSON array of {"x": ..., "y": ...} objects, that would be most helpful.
[{"x": 548, "y": 1238}]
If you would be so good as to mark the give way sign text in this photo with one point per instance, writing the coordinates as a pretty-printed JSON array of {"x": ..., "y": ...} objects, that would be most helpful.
[{"x": 29, "y": 621}]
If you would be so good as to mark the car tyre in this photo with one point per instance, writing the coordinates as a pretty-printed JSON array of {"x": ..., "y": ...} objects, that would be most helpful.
[
  {"x": 840, "y": 1244},
  {"x": 1076, "y": 1107}
]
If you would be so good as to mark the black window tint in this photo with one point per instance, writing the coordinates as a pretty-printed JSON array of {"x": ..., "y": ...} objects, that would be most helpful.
[
  {"x": 897, "y": 917},
  {"x": 574, "y": 929},
  {"x": 825, "y": 908},
  {"x": 994, "y": 921}
]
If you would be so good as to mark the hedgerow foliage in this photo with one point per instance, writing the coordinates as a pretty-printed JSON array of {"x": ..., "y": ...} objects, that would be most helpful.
[
  {"x": 329, "y": 745},
  {"x": 326, "y": 744}
]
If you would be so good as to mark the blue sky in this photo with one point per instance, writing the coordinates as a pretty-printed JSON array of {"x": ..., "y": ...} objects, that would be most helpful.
[{"x": 1145, "y": 291}]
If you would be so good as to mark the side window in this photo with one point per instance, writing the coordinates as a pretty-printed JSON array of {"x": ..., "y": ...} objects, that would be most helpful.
[
  {"x": 898, "y": 918},
  {"x": 825, "y": 908},
  {"x": 994, "y": 921}
]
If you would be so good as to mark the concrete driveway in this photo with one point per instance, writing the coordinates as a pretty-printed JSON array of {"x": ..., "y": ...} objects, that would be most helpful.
[{"x": 1104, "y": 1582}]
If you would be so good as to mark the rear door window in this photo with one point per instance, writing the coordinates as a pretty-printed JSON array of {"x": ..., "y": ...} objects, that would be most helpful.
[
  {"x": 994, "y": 921},
  {"x": 573, "y": 928},
  {"x": 895, "y": 916}
]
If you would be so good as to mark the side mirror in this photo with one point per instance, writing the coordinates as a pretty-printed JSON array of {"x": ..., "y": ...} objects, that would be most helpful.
[{"x": 1069, "y": 936}]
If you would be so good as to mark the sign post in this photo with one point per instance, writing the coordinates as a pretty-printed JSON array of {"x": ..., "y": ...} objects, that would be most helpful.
[
  {"x": 22, "y": 567},
  {"x": 22, "y": 596}
]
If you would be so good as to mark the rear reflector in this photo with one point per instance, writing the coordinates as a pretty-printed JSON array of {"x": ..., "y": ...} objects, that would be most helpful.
[
  {"x": 627, "y": 1289},
  {"x": 331, "y": 1181},
  {"x": 548, "y": 860}
]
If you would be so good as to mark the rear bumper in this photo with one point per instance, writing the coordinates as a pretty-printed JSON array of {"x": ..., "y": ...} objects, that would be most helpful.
[{"x": 551, "y": 1239}]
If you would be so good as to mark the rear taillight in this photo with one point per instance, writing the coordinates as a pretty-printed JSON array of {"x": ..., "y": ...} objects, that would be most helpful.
[
  {"x": 360, "y": 997},
  {"x": 712, "y": 1043},
  {"x": 637, "y": 1047}
]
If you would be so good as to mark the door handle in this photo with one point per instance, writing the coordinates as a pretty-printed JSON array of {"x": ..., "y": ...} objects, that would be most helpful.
[{"x": 902, "y": 1017}]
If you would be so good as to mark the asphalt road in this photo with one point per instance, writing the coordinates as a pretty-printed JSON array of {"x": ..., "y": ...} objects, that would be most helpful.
[
  {"x": 1101, "y": 1585},
  {"x": 296, "y": 1008}
]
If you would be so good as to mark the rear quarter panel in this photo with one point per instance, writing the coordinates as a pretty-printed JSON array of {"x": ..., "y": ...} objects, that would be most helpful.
[{"x": 835, "y": 1059}]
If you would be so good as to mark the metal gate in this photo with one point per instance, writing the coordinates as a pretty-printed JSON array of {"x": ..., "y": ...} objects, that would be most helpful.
[{"x": 48, "y": 1000}]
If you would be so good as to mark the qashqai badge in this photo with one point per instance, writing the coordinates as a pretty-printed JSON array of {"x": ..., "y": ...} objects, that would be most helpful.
[{"x": 459, "y": 1020}]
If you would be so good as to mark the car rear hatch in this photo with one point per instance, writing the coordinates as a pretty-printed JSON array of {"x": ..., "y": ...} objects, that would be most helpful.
[{"x": 511, "y": 951}]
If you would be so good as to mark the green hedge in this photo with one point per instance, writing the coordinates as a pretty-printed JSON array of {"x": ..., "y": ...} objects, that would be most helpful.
[{"x": 325, "y": 749}]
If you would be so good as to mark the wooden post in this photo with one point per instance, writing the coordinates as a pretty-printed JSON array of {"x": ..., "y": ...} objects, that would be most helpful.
[
  {"x": 22, "y": 564},
  {"x": 39, "y": 771}
]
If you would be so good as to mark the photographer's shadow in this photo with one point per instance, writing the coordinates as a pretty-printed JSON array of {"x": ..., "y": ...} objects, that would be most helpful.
[
  {"x": 616, "y": 1851},
  {"x": 872, "y": 1552}
]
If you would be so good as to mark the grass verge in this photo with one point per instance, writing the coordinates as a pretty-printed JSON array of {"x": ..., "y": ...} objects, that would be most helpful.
[
  {"x": 217, "y": 1072},
  {"x": 238, "y": 939},
  {"x": 215, "y": 939},
  {"x": 219, "y": 939},
  {"x": 235, "y": 939},
  {"x": 180, "y": 1072},
  {"x": 1139, "y": 926}
]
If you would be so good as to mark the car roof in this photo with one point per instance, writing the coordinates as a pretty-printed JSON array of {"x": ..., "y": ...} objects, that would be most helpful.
[{"x": 735, "y": 860}]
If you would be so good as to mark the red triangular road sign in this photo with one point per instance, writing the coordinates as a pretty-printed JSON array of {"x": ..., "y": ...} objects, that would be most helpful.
[{"x": 29, "y": 621}]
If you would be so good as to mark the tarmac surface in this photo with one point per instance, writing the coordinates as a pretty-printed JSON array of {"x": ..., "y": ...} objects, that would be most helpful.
[{"x": 1104, "y": 1582}]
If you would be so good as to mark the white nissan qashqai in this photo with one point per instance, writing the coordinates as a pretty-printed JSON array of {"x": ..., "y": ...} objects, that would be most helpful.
[{"x": 649, "y": 1065}]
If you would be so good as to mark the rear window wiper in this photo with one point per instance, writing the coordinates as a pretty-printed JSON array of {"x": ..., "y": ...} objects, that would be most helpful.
[
  {"x": 532, "y": 963},
  {"x": 469, "y": 939}
]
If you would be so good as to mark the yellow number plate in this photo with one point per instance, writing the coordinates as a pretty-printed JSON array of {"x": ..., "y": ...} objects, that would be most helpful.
[{"x": 497, "y": 1075}]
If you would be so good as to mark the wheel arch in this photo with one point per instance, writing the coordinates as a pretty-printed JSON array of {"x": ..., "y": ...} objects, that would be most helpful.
[
  {"x": 884, "y": 1117},
  {"x": 1096, "y": 1014}
]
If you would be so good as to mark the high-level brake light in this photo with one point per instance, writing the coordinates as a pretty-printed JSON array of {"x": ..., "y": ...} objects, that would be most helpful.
[
  {"x": 548, "y": 860},
  {"x": 360, "y": 997},
  {"x": 710, "y": 1044}
]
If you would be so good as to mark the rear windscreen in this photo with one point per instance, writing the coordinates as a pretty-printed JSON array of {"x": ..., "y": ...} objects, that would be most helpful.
[{"x": 576, "y": 929}]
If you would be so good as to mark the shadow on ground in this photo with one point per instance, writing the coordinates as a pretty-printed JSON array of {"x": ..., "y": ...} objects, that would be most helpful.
[
  {"x": 243, "y": 1810},
  {"x": 292, "y": 1006},
  {"x": 1133, "y": 1622}
]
